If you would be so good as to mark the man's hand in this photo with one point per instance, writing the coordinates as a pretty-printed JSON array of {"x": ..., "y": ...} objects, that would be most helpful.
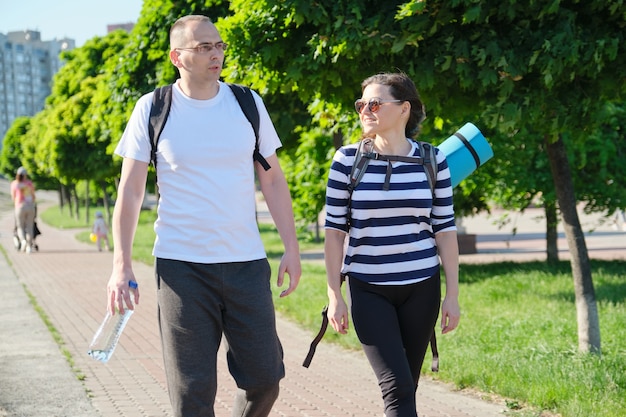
[
  {"x": 290, "y": 265},
  {"x": 119, "y": 292}
]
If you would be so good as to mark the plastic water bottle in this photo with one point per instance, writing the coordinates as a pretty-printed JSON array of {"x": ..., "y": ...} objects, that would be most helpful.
[{"x": 108, "y": 334}]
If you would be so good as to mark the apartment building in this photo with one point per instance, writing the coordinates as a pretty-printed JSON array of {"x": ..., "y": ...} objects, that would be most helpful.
[{"x": 27, "y": 65}]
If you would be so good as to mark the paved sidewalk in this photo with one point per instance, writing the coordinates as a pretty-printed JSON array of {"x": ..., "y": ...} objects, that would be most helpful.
[{"x": 67, "y": 279}]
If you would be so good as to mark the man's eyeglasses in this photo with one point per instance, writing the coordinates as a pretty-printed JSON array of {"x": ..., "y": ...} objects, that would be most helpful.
[
  {"x": 373, "y": 105},
  {"x": 204, "y": 48}
]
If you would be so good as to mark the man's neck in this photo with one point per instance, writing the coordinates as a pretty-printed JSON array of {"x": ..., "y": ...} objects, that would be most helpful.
[{"x": 199, "y": 90}]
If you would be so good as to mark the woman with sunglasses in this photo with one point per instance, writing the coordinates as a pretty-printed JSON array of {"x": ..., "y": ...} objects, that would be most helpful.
[{"x": 397, "y": 233}]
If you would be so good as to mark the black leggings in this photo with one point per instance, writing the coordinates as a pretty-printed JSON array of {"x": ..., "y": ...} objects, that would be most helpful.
[{"x": 394, "y": 325}]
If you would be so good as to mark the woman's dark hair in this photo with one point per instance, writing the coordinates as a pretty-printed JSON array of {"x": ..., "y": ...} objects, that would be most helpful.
[{"x": 402, "y": 87}]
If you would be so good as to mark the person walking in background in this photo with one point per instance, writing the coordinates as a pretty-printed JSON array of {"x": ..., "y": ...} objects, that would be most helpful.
[
  {"x": 101, "y": 231},
  {"x": 396, "y": 231},
  {"x": 23, "y": 195},
  {"x": 213, "y": 277}
]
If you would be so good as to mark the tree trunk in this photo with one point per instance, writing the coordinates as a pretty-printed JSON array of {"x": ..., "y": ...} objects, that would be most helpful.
[
  {"x": 61, "y": 197},
  {"x": 87, "y": 202},
  {"x": 75, "y": 201},
  {"x": 67, "y": 191},
  {"x": 337, "y": 139},
  {"x": 105, "y": 201},
  {"x": 318, "y": 237},
  {"x": 552, "y": 235},
  {"x": 586, "y": 308}
]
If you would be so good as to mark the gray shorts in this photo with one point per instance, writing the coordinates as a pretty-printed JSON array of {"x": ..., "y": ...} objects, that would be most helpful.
[{"x": 197, "y": 304}]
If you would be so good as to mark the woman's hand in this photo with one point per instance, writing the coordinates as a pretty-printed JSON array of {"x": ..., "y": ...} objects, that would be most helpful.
[
  {"x": 338, "y": 314},
  {"x": 450, "y": 314}
]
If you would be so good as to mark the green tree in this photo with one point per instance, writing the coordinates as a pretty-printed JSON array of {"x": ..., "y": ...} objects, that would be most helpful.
[
  {"x": 541, "y": 68},
  {"x": 77, "y": 136},
  {"x": 11, "y": 156},
  {"x": 144, "y": 63},
  {"x": 539, "y": 74},
  {"x": 306, "y": 173}
]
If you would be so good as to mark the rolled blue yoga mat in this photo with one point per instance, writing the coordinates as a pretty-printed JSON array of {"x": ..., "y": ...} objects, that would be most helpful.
[{"x": 465, "y": 151}]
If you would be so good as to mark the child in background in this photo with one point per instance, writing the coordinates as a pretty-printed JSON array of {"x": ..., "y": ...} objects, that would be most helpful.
[{"x": 101, "y": 231}]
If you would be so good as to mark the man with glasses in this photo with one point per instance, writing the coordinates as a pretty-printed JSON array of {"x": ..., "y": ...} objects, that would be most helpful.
[{"x": 212, "y": 273}]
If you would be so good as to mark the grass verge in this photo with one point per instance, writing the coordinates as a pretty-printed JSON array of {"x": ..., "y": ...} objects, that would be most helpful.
[{"x": 518, "y": 336}]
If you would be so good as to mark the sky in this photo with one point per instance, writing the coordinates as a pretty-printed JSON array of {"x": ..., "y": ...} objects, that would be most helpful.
[{"x": 75, "y": 19}]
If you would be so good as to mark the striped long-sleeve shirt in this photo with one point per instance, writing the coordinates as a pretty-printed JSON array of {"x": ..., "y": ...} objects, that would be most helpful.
[{"x": 391, "y": 236}]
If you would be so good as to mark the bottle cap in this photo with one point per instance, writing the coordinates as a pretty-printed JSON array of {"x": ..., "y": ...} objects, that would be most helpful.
[{"x": 132, "y": 284}]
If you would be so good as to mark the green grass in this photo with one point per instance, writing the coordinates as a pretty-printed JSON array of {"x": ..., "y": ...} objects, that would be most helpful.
[
  {"x": 517, "y": 337},
  {"x": 61, "y": 218}
]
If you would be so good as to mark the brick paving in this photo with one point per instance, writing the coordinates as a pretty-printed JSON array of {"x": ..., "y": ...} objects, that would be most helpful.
[{"x": 68, "y": 278}]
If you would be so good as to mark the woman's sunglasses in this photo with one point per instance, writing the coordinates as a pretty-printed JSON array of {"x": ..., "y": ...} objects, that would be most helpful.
[{"x": 373, "y": 105}]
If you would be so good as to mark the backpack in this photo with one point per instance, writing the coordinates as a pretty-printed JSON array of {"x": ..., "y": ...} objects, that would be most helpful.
[
  {"x": 427, "y": 158},
  {"x": 362, "y": 158},
  {"x": 162, "y": 102}
]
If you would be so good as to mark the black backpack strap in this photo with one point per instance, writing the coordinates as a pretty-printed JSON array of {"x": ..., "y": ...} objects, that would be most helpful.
[
  {"x": 248, "y": 106},
  {"x": 318, "y": 338},
  {"x": 161, "y": 104},
  {"x": 430, "y": 167},
  {"x": 361, "y": 160},
  {"x": 427, "y": 158},
  {"x": 433, "y": 348},
  {"x": 427, "y": 151},
  {"x": 358, "y": 166}
]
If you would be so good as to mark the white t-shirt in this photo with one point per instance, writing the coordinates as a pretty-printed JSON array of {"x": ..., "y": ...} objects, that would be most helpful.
[{"x": 205, "y": 171}]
